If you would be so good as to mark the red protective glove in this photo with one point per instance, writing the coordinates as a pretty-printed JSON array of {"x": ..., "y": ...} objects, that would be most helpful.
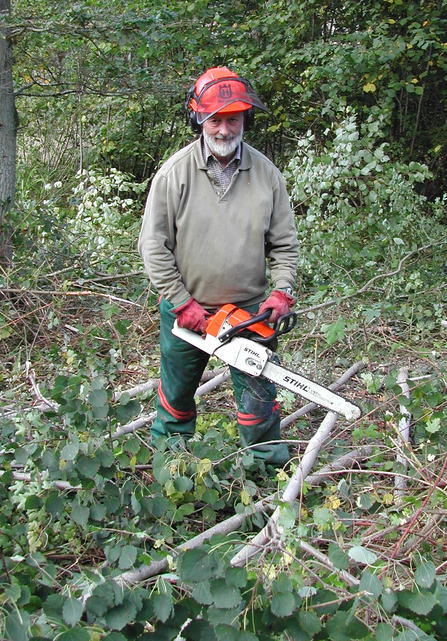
[
  {"x": 279, "y": 302},
  {"x": 191, "y": 315}
]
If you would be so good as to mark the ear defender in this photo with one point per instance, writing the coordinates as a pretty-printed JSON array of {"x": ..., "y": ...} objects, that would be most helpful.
[
  {"x": 249, "y": 119},
  {"x": 191, "y": 114}
]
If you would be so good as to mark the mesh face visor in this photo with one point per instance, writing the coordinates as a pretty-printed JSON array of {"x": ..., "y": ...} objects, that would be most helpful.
[{"x": 225, "y": 95}]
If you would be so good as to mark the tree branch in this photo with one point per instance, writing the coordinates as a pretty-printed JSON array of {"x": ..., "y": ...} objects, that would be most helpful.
[
  {"x": 400, "y": 482},
  {"x": 272, "y": 529},
  {"x": 365, "y": 287}
]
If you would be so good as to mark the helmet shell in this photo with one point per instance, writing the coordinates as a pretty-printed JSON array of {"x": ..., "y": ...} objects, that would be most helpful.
[{"x": 221, "y": 90}]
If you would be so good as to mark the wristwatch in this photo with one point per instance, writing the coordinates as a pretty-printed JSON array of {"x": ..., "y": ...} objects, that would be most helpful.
[{"x": 288, "y": 290}]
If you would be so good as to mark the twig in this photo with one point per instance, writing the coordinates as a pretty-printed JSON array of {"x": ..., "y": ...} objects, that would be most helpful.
[
  {"x": 416, "y": 516},
  {"x": 311, "y": 406},
  {"x": 290, "y": 493},
  {"x": 56, "y": 292},
  {"x": 423, "y": 535},
  {"x": 406, "y": 623},
  {"x": 51, "y": 405}
]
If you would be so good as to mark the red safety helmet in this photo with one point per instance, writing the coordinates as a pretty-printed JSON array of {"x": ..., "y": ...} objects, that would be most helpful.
[{"x": 220, "y": 90}]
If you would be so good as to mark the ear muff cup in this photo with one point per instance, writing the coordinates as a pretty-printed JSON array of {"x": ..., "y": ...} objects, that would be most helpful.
[
  {"x": 192, "y": 117},
  {"x": 249, "y": 119}
]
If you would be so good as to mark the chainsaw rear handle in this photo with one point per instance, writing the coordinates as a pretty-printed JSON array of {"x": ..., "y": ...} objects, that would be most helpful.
[{"x": 283, "y": 325}]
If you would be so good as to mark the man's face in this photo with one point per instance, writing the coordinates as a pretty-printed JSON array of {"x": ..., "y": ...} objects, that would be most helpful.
[{"x": 223, "y": 133}]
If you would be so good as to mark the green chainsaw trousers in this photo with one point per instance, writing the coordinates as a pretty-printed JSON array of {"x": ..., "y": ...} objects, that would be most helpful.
[{"x": 182, "y": 366}]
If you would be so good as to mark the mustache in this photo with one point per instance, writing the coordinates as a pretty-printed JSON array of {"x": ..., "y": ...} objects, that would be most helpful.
[{"x": 222, "y": 137}]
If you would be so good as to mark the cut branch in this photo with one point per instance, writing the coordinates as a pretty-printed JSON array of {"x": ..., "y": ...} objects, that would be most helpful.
[
  {"x": 313, "y": 551},
  {"x": 201, "y": 390},
  {"x": 400, "y": 482},
  {"x": 293, "y": 489}
]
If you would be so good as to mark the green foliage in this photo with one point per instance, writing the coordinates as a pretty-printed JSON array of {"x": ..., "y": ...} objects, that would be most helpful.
[
  {"x": 108, "y": 511},
  {"x": 120, "y": 71},
  {"x": 358, "y": 102},
  {"x": 342, "y": 250},
  {"x": 107, "y": 218}
]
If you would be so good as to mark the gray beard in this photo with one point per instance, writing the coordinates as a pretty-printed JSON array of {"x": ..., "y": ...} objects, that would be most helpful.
[{"x": 222, "y": 148}]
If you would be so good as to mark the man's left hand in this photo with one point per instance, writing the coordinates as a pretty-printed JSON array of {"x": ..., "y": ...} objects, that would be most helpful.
[{"x": 279, "y": 302}]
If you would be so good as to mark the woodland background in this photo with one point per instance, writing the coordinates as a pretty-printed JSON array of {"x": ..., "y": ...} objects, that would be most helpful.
[{"x": 91, "y": 103}]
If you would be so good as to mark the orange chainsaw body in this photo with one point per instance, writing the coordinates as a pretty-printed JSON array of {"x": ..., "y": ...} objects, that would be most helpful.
[{"x": 230, "y": 316}]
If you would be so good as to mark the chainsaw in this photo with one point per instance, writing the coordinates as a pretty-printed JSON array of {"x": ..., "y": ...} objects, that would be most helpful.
[{"x": 247, "y": 343}]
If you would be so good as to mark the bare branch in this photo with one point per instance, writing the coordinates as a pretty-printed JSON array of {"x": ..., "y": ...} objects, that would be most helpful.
[
  {"x": 400, "y": 483},
  {"x": 56, "y": 292},
  {"x": 272, "y": 529}
]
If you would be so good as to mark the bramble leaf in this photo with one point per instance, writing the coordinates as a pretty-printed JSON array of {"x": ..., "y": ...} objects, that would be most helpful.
[
  {"x": 362, "y": 555},
  {"x": 72, "y": 611},
  {"x": 425, "y": 574}
]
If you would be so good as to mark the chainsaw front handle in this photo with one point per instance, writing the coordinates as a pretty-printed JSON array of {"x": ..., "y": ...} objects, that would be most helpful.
[{"x": 283, "y": 325}]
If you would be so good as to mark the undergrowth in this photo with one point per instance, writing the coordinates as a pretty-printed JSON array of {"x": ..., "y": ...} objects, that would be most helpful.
[{"x": 86, "y": 496}]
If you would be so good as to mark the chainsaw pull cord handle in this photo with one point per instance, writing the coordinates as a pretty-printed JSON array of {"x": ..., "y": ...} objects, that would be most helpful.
[{"x": 283, "y": 325}]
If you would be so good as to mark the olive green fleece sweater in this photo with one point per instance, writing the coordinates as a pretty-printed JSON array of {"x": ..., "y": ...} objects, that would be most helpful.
[{"x": 215, "y": 248}]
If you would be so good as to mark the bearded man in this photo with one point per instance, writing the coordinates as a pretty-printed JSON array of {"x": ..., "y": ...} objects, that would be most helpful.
[{"x": 217, "y": 226}]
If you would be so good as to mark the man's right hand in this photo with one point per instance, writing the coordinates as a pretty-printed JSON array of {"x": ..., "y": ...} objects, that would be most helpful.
[{"x": 192, "y": 316}]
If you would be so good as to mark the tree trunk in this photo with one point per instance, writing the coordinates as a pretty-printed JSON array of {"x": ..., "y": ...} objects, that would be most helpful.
[{"x": 8, "y": 137}]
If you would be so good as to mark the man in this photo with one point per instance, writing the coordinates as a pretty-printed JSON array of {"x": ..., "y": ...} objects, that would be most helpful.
[{"x": 216, "y": 214}]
